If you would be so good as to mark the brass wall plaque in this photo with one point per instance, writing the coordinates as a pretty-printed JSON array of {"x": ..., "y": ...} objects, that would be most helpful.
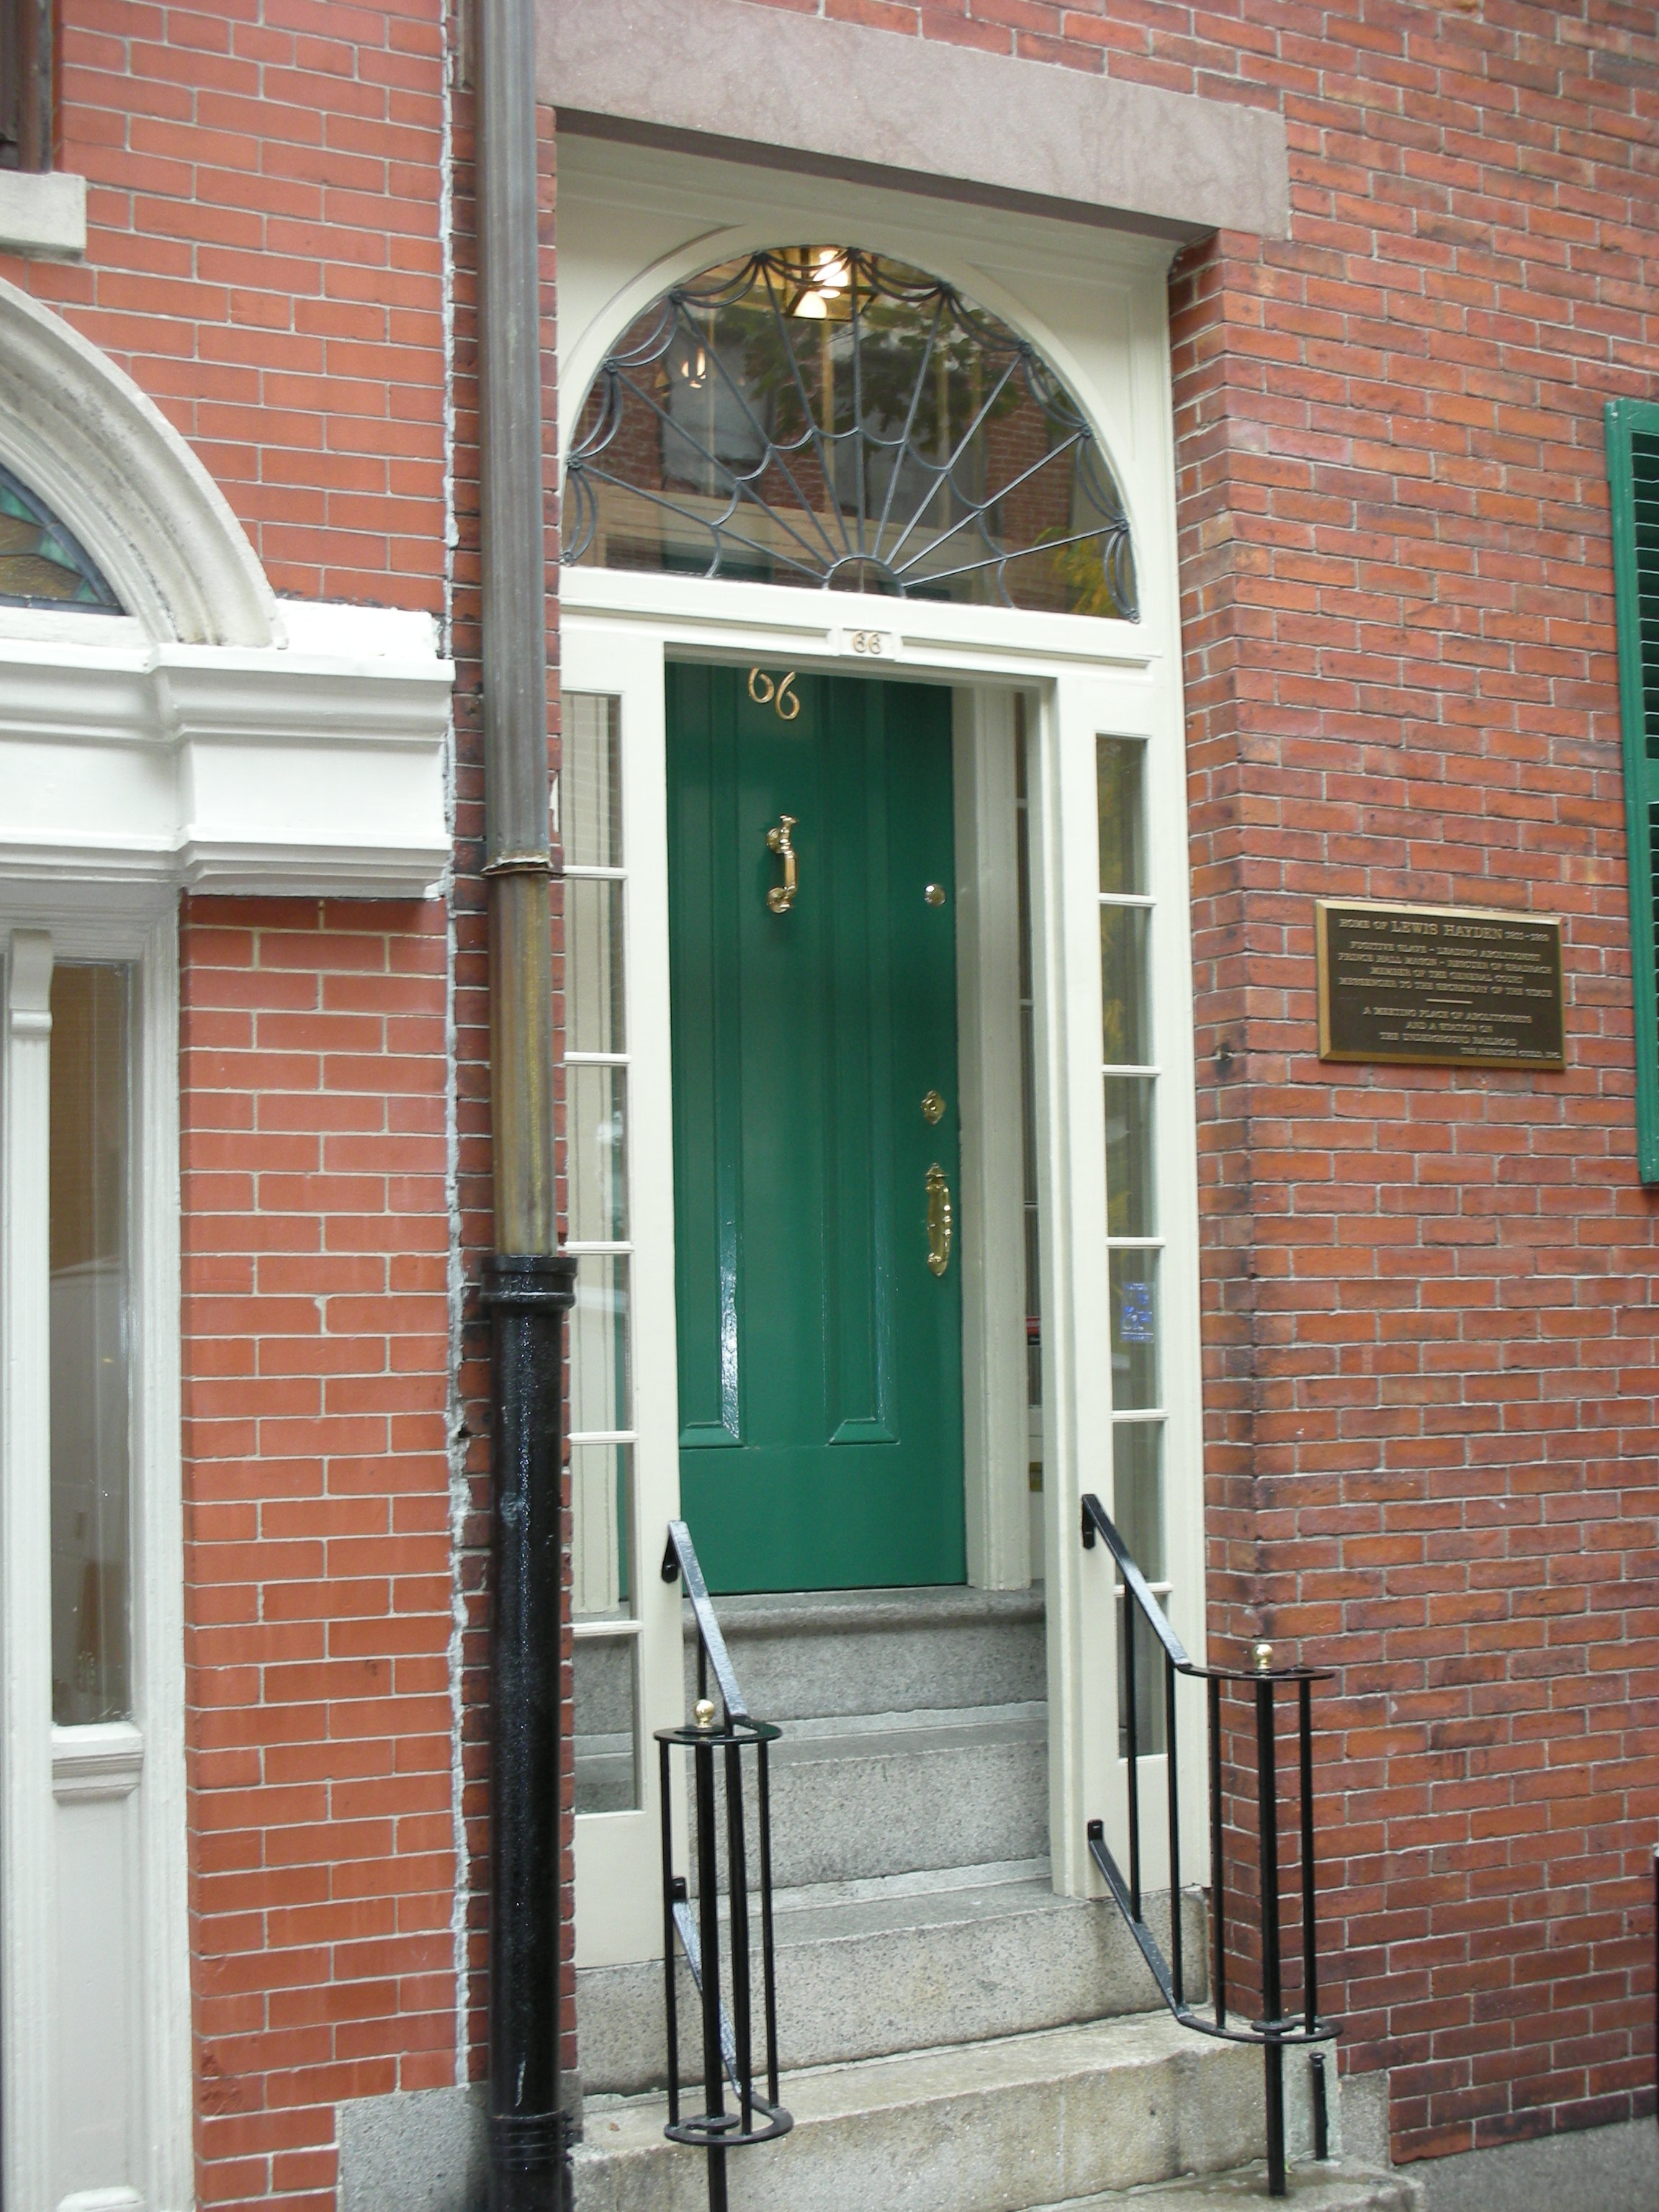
[{"x": 1444, "y": 986}]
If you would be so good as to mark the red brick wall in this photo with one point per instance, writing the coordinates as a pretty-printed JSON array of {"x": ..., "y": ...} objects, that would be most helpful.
[
  {"x": 264, "y": 189},
  {"x": 264, "y": 257},
  {"x": 1431, "y": 1340},
  {"x": 317, "y": 1542},
  {"x": 1429, "y": 1332}
]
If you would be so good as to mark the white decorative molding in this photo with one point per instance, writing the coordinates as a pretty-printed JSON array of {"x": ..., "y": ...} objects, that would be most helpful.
[
  {"x": 28, "y": 1859},
  {"x": 313, "y": 768},
  {"x": 207, "y": 738},
  {"x": 103, "y": 1760},
  {"x": 101, "y": 452},
  {"x": 43, "y": 214},
  {"x": 710, "y": 615}
]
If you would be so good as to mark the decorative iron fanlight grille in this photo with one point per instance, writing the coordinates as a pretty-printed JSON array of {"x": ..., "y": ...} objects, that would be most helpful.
[
  {"x": 822, "y": 415},
  {"x": 42, "y": 562}
]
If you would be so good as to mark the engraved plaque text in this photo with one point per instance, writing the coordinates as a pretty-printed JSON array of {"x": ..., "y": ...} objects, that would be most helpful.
[{"x": 1449, "y": 986}]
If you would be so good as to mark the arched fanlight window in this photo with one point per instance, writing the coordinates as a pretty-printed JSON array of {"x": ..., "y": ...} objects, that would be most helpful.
[
  {"x": 42, "y": 562},
  {"x": 822, "y": 415}
]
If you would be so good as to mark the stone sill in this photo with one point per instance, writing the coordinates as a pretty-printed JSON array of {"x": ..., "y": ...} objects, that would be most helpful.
[{"x": 43, "y": 214}]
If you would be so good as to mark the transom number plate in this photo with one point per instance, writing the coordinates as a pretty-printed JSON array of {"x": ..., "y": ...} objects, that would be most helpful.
[{"x": 867, "y": 644}]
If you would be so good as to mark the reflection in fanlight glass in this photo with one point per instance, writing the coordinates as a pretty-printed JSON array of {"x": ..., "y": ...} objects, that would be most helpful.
[{"x": 823, "y": 416}]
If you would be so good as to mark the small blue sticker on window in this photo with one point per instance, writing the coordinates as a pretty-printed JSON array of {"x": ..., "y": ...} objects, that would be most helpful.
[{"x": 1135, "y": 1321}]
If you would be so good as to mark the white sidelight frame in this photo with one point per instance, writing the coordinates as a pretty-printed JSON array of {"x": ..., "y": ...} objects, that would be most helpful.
[
  {"x": 996, "y": 1413},
  {"x": 96, "y": 2096},
  {"x": 633, "y": 220},
  {"x": 617, "y": 636}
]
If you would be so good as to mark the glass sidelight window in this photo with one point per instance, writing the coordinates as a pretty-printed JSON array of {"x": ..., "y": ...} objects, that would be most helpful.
[
  {"x": 596, "y": 1108},
  {"x": 1130, "y": 1074},
  {"x": 90, "y": 1338}
]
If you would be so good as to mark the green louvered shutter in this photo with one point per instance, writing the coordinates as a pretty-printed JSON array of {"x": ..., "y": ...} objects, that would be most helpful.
[{"x": 1633, "y": 472}]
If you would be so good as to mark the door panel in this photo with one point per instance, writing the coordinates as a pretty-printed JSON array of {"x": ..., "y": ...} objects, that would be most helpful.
[{"x": 820, "y": 1361}]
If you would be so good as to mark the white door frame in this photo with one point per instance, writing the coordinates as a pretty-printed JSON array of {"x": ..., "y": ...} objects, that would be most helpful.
[
  {"x": 107, "y": 1800},
  {"x": 1084, "y": 678},
  {"x": 634, "y": 220}
]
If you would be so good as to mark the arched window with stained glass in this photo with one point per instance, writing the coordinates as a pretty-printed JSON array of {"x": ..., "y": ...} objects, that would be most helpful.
[
  {"x": 42, "y": 563},
  {"x": 822, "y": 415}
]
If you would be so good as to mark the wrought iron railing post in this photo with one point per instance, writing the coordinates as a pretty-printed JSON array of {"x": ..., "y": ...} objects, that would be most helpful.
[
  {"x": 709, "y": 1934},
  {"x": 728, "y": 2042},
  {"x": 1217, "y": 1863},
  {"x": 737, "y": 1878},
  {"x": 1309, "y": 1929},
  {"x": 1132, "y": 1701},
  {"x": 673, "y": 1894},
  {"x": 1273, "y": 2006},
  {"x": 769, "y": 1949},
  {"x": 1274, "y": 2029},
  {"x": 1172, "y": 1769}
]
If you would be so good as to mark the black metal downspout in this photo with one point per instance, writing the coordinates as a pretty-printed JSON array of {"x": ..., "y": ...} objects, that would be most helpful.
[
  {"x": 527, "y": 1294},
  {"x": 528, "y": 1284}
]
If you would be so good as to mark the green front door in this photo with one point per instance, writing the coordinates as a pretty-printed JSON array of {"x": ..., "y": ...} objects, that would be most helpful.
[{"x": 815, "y": 1131}]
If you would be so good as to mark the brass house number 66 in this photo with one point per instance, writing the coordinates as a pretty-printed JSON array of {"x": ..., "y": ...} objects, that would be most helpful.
[{"x": 784, "y": 696}]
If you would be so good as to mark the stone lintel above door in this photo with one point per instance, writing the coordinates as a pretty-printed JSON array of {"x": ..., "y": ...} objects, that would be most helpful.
[{"x": 840, "y": 98}]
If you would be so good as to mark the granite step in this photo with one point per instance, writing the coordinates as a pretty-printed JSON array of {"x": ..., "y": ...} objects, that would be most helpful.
[
  {"x": 818, "y": 1653},
  {"x": 1336, "y": 2185},
  {"x": 861, "y": 1795},
  {"x": 1050, "y": 2118},
  {"x": 902, "y": 1963}
]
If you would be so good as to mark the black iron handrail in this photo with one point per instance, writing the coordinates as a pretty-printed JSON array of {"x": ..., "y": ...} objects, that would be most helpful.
[
  {"x": 1275, "y": 2030},
  {"x": 728, "y": 2040}
]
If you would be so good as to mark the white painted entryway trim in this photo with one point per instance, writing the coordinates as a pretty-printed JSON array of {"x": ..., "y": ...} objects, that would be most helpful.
[
  {"x": 315, "y": 767},
  {"x": 78, "y": 431},
  {"x": 51, "y": 1775},
  {"x": 634, "y": 220},
  {"x": 26, "y": 1857},
  {"x": 211, "y": 736},
  {"x": 623, "y": 654}
]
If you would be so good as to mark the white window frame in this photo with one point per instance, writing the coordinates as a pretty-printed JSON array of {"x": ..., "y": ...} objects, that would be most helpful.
[{"x": 51, "y": 1777}]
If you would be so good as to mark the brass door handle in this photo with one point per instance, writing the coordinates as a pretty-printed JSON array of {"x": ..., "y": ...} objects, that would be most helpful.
[
  {"x": 939, "y": 1219},
  {"x": 782, "y": 897}
]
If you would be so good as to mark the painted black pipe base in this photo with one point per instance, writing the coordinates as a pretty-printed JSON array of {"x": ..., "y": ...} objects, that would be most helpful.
[
  {"x": 529, "y": 2162},
  {"x": 526, "y": 1297}
]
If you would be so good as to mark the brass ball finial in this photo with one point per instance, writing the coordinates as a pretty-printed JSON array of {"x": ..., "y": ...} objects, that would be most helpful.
[
  {"x": 1262, "y": 1654},
  {"x": 703, "y": 1712}
]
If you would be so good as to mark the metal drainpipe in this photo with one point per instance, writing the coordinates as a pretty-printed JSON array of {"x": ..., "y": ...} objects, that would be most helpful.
[{"x": 528, "y": 1283}]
